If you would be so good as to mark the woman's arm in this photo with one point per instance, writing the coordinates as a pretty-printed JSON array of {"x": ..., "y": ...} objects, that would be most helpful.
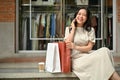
[
  {"x": 86, "y": 48},
  {"x": 70, "y": 35},
  {"x": 71, "y": 32}
]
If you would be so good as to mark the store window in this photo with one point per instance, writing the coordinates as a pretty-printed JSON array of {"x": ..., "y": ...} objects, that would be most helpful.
[
  {"x": 40, "y": 22},
  {"x": 43, "y": 21}
]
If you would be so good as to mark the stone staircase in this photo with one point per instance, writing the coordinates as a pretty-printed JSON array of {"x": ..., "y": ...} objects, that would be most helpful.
[{"x": 27, "y": 69}]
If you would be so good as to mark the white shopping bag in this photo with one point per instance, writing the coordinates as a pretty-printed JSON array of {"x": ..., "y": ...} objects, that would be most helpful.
[{"x": 53, "y": 58}]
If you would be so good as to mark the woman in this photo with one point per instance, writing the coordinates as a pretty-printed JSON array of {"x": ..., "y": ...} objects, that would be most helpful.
[{"x": 87, "y": 64}]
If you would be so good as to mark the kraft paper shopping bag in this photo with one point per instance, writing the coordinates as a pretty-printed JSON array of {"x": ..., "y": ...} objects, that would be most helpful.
[
  {"x": 65, "y": 58},
  {"x": 53, "y": 58}
]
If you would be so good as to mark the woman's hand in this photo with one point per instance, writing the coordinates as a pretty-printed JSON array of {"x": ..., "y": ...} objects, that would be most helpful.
[
  {"x": 73, "y": 24},
  {"x": 70, "y": 45}
]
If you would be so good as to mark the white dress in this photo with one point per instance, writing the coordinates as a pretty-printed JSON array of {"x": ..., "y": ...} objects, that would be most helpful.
[{"x": 95, "y": 65}]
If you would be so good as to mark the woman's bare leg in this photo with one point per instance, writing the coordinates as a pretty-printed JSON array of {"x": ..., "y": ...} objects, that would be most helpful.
[{"x": 115, "y": 76}]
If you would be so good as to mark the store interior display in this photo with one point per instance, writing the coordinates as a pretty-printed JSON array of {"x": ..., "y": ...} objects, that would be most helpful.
[{"x": 44, "y": 21}]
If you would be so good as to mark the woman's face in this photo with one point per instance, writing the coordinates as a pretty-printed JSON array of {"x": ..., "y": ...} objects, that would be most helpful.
[{"x": 81, "y": 16}]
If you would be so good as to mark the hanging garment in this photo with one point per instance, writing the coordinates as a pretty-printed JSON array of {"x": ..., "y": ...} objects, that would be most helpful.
[
  {"x": 34, "y": 33},
  {"x": 24, "y": 34},
  {"x": 48, "y": 26},
  {"x": 59, "y": 31},
  {"x": 53, "y": 25},
  {"x": 29, "y": 42},
  {"x": 41, "y": 31}
]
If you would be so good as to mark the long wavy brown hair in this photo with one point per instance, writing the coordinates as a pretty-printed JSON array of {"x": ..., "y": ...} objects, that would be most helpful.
[{"x": 87, "y": 25}]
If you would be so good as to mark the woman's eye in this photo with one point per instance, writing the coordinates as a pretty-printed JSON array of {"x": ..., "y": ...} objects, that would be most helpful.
[{"x": 82, "y": 14}]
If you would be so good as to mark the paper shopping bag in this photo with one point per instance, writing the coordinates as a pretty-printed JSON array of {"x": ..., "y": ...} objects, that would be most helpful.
[
  {"x": 64, "y": 57},
  {"x": 53, "y": 58}
]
